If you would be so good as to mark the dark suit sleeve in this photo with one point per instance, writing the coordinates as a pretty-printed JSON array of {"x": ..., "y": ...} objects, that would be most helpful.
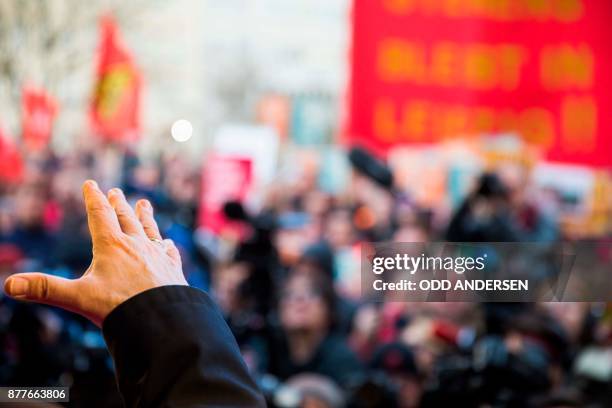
[{"x": 172, "y": 348}]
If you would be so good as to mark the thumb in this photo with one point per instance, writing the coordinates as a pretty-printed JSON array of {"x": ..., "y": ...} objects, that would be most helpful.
[{"x": 43, "y": 288}]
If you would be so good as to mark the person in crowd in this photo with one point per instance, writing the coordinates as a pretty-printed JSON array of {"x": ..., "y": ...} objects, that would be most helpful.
[
  {"x": 397, "y": 362},
  {"x": 306, "y": 342},
  {"x": 485, "y": 215},
  {"x": 30, "y": 233}
]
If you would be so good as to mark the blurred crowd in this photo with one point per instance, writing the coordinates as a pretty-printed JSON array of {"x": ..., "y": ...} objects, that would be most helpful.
[{"x": 288, "y": 283}]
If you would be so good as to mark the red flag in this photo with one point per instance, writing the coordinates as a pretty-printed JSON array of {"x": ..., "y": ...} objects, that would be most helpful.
[
  {"x": 11, "y": 163},
  {"x": 114, "y": 111},
  {"x": 38, "y": 112}
]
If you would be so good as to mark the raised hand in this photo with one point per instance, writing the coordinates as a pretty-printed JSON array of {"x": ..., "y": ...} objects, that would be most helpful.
[{"x": 129, "y": 257}]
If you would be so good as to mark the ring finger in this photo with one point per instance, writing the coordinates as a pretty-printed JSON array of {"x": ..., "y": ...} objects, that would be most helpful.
[{"x": 144, "y": 212}]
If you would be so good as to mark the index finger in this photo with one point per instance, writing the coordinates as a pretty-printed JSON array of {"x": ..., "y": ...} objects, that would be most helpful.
[{"x": 101, "y": 217}]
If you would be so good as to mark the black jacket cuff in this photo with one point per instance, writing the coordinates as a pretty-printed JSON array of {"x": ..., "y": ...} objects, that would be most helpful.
[
  {"x": 171, "y": 347},
  {"x": 149, "y": 302}
]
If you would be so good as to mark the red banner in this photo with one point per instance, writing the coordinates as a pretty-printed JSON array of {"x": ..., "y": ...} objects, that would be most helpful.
[
  {"x": 38, "y": 112},
  {"x": 115, "y": 107},
  {"x": 224, "y": 178},
  {"x": 428, "y": 70}
]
